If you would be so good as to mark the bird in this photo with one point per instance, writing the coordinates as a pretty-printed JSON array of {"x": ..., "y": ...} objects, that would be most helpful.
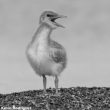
[{"x": 46, "y": 56}]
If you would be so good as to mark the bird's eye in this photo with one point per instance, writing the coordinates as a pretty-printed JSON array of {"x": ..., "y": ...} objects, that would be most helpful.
[{"x": 48, "y": 15}]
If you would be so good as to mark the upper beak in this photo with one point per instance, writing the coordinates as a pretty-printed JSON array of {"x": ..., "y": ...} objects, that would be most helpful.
[{"x": 62, "y": 16}]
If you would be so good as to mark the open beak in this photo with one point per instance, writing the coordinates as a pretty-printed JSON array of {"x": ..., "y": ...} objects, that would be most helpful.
[{"x": 57, "y": 24}]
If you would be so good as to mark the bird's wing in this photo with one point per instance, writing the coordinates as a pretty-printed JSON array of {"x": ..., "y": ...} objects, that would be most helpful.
[{"x": 57, "y": 53}]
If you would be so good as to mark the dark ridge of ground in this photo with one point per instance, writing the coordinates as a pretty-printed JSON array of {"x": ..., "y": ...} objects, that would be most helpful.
[{"x": 74, "y": 98}]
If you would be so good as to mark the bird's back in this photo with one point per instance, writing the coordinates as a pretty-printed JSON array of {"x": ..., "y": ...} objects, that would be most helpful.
[
  {"x": 58, "y": 53},
  {"x": 58, "y": 57}
]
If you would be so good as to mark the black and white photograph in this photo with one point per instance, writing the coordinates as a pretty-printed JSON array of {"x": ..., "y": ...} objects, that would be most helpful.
[{"x": 54, "y": 54}]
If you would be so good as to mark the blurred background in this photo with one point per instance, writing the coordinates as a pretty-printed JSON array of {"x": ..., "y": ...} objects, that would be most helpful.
[{"x": 86, "y": 39}]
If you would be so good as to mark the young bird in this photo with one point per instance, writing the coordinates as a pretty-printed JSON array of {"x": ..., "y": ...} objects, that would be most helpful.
[{"x": 46, "y": 56}]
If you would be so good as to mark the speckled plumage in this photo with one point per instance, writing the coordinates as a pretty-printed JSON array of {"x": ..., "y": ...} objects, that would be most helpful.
[{"x": 58, "y": 53}]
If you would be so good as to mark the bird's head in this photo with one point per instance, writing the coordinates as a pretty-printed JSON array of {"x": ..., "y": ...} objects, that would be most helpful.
[{"x": 49, "y": 18}]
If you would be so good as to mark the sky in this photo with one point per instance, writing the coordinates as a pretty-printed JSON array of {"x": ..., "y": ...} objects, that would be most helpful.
[{"x": 86, "y": 38}]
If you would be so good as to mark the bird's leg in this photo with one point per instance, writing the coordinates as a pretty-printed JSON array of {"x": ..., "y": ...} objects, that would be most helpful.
[
  {"x": 44, "y": 83},
  {"x": 56, "y": 84}
]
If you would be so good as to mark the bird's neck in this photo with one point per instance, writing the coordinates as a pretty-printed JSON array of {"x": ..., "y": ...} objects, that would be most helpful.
[{"x": 42, "y": 35}]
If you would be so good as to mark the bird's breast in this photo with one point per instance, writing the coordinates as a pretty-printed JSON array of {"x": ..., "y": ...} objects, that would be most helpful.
[
  {"x": 36, "y": 57},
  {"x": 38, "y": 53}
]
